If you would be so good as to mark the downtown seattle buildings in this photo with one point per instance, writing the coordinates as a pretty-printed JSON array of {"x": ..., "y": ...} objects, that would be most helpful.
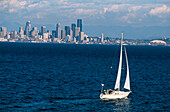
[{"x": 70, "y": 34}]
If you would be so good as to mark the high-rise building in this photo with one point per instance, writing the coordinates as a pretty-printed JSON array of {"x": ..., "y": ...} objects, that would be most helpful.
[
  {"x": 77, "y": 31},
  {"x": 71, "y": 34},
  {"x": 21, "y": 31},
  {"x": 81, "y": 36},
  {"x": 34, "y": 32},
  {"x": 102, "y": 37},
  {"x": 27, "y": 28},
  {"x": 3, "y": 31},
  {"x": 63, "y": 34},
  {"x": 53, "y": 34},
  {"x": 43, "y": 30},
  {"x": 58, "y": 31},
  {"x": 73, "y": 27},
  {"x": 14, "y": 34},
  {"x": 67, "y": 29},
  {"x": 79, "y": 24}
]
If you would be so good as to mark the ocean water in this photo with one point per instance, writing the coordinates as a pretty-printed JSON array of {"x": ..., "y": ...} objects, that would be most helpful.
[{"x": 63, "y": 77}]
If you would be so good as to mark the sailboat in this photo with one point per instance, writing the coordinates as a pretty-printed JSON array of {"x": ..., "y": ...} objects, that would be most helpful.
[{"x": 117, "y": 93}]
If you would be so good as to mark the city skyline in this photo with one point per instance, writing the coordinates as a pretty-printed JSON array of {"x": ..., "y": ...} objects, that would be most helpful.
[{"x": 108, "y": 17}]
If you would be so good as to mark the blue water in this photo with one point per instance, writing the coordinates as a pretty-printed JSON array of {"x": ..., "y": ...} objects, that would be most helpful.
[{"x": 62, "y": 77}]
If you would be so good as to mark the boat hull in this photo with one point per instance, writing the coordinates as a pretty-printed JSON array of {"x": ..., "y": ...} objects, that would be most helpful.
[{"x": 114, "y": 95}]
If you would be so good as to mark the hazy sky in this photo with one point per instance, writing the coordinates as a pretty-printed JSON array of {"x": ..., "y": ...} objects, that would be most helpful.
[{"x": 93, "y": 12}]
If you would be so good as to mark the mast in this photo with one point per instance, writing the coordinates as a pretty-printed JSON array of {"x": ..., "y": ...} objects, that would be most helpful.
[
  {"x": 117, "y": 85},
  {"x": 127, "y": 81}
]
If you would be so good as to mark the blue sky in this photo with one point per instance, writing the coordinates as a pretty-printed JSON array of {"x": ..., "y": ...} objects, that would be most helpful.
[{"x": 106, "y": 13}]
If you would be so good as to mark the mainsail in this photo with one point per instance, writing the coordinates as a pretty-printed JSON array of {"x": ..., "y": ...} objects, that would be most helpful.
[
  {"x": 117, "y": 85},
  {"x": 127, "y": 82}
]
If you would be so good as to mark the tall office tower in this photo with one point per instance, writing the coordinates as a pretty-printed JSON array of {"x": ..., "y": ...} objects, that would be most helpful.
[
  {"x": 102, "y": 37},
  {"x": 34, "y": 32},
  {"x": 3, "y": 31},
  {"x": 73, "y": 27},
  {"x": 35, "y": 29},
  {"x": 14, "y": 34},
  {"x": 43, "y": 30},
  {"x": 58, "y": 31},
  {"x": 79, "y": 24},
  {"x": 53, "y": 34},
  {"x": 71, "y": 35},
  {"x": 21, "y": 31},
  {"x": 67, "y": 29},
  {"x": 77, "y": 31},
  {"x": 81, "y": 36},
  {"x": 27, "y": 28},
  {"x": 63, "y": 34}
]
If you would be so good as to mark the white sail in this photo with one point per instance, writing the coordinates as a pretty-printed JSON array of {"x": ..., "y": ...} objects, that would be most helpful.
[
  {"x": 117, "y": 85},
  {"x": 127, "y": 81}
]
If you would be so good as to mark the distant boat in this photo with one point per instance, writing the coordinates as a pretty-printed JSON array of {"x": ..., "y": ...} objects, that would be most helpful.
[{"x": 110, "y": 94}]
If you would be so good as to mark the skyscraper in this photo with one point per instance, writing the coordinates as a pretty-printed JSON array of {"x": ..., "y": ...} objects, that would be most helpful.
[
  {"x": 102, "y": 37},
  {"x": 73, "y": 27},
  {"x": 81, "y": 36},
  {"x": 43, "y": 30},
  {"x": 34, "y": 32},
  {"x": 67, "y": 29},
  {"x": 77, "y": 31},
  {"x": 3, "y": 31},
  {"x": 63, "y": 34},
  {"x": 79, "y": 24},
  {"x": 58, "y": 31},
  {"x": 27, "y": 28},
  {"x": 14, "y": 34},
  {"x": 21, "y": 31},
  {"x": 53, "y": 34}
]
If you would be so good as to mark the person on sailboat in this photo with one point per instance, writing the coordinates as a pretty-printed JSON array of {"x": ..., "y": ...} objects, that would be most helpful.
[{"x": 107, "y": 91}]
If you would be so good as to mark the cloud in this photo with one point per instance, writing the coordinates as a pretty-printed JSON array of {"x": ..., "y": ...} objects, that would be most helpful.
[
  {"x": 33, "y": 5},
  {"x": 12, "y": 5},
  {"x": 16, "y": 3},
  {"x": 86, "y": 12},
  {"x": 34, "y": 16},
  {"x": 123, "y": 7},
  {"x": 128, "y": 16},
  {"x": 134, "y": 8},
  {"x": 160, "y": 11},
  {"x": 61, "y": 2},
  {"x": 117, "y": 8}
]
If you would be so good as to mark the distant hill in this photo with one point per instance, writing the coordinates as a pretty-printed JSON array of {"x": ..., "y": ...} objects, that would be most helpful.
[{"x": 149, "y": 32}]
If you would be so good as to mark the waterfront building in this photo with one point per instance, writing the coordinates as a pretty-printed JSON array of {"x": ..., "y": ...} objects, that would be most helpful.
[
  {"x": 79, "y": 24},
  {"x": 73, "y": 28},
  {"x": 77, "y": 31},
  {"x": 71, "y": 34},
  {"x": 27, "y": 28},
  {"x": 158, "y": 42},
  {"x": 58, "y": 31},
  {"x": 67, "y": 29},
  {"x": 3, "y": 31},
  {"x": 14, "y": 34},
  {"x": 21, "y": 31},
  {"x": 102, "y": 37},
  {"x": 81, "y": 36},
  {"x": 34, "y": 32},
  {"x": 63, "y": 34},
  {"x": 45, "y": 36},
  {"x": 43, "y": 30},
  {"x": 53, "y": 33},
  {"x": 8, "y": 36}
]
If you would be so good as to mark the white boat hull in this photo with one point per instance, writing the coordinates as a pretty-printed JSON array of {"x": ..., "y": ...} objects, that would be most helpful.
[{"x": 115, "y": 95}]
